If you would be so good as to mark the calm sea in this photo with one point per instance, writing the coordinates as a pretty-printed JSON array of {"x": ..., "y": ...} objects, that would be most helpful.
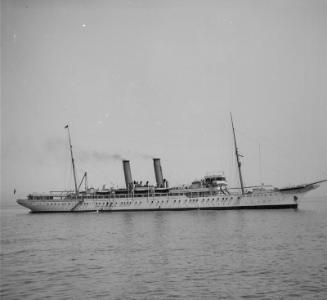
[{"x": 265, "y": 254}]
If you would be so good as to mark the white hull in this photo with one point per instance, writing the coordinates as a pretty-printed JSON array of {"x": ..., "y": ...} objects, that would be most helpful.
[{"x": 181, "y": 202}]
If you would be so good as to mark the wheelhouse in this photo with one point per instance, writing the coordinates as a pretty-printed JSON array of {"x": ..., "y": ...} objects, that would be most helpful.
[{"x": 215, "y": 180}]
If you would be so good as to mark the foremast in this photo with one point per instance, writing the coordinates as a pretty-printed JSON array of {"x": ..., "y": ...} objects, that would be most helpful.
[
  {"x": 72, "y": 158},
  {"x": 237, "y": 157}
]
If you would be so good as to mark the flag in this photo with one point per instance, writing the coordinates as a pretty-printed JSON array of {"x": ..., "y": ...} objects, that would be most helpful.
[{"x": 66, "y": 126}]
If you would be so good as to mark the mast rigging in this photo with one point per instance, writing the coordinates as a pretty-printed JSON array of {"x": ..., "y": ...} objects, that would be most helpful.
[
  {"x": 237, "y": 157},
  {"x": 72, "y": 157}
]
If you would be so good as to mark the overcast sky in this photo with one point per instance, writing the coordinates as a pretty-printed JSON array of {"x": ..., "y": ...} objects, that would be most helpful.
[{"x": 143, "y": 79}]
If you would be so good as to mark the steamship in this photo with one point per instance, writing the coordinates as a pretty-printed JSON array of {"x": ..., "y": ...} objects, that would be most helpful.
[{"x": 209, "y": 193}]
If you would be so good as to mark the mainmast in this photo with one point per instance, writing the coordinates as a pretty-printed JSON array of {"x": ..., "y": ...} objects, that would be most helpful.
[
  {"x": 72, "y": 157},
  {"x": 237, "y": 157}
]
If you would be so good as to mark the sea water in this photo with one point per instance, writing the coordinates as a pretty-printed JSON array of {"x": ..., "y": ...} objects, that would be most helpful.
[{"x": 265, "y": 254}]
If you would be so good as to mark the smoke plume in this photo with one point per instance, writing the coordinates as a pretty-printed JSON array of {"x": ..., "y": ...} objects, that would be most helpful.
[
  {"x": 98, "y": 156},
  {"x": 58, "y": 149}
]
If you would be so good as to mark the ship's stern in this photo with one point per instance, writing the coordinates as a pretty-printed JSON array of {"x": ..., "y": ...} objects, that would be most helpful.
[{"x": 24, "y": 202}]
